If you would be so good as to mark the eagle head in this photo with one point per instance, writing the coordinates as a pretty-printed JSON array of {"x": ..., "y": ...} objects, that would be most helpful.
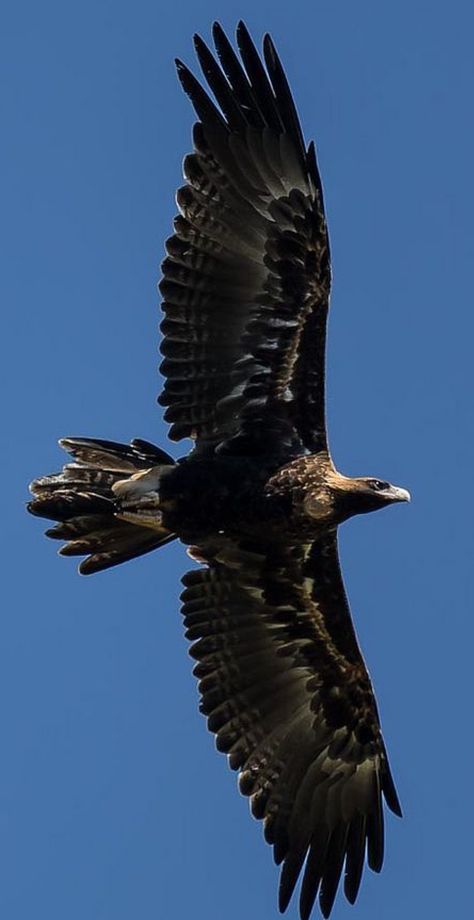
[{"x": 340, "y": 497}]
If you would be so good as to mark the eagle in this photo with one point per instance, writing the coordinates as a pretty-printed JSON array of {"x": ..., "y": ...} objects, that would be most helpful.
[{"x": 258, "y": 500}]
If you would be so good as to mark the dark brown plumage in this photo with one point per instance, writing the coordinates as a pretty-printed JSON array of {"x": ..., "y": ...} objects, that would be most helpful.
[{"x": 245, "y": 293}]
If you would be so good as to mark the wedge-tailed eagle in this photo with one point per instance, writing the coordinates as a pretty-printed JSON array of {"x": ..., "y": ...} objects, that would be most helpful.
[{"x": 258, "y": 500}]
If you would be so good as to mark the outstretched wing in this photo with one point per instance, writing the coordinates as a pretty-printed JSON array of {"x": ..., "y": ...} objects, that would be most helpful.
[
  {"x": 247, "y": 277},
  {"x": 286, "y": 691}
]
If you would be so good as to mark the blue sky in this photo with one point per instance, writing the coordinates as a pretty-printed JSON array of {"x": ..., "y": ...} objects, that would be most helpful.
[{"x": 114, "y": 803}]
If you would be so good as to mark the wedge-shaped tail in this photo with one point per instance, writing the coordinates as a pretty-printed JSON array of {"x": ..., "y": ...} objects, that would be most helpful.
[{"x": 106, "y": 502}]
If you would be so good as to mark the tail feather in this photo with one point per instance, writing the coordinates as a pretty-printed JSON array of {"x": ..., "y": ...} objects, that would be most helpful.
[
  {"x": 82, "y": 499},
  {"x": 113, "y": 546},
  {"x": 78, "y": 526},
  {"x": 112, "y": 456}
]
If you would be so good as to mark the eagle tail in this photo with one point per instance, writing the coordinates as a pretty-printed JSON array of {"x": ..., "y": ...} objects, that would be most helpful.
[{"x": 106, "y": 502}]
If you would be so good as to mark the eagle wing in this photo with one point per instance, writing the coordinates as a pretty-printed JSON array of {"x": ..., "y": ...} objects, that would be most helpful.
[
  {"x": 286, "y": 691},
  {"x": 247, "y": 277}
]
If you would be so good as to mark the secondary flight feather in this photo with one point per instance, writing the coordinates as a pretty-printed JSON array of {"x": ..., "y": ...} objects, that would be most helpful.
[{"x": 258, "y": 500}]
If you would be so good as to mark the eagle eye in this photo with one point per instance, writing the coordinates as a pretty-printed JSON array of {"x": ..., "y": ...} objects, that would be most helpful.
[{"x": 378, "y": 485}]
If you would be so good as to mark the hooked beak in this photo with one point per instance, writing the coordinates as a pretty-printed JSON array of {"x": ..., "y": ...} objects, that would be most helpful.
[{"x": 399, "y": 495}]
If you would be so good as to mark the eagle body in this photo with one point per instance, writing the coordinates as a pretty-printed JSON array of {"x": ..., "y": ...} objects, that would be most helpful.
[
  {"x": 258, "y": 500},
  {"x": 252, "y": 497},
  {"x": 244, "y": 496}
]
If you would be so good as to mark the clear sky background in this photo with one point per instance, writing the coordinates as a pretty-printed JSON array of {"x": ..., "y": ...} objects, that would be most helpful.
[{"x": 113, "y": 803}]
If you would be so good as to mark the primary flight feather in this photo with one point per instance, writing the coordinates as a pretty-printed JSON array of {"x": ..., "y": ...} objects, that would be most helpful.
[{"x": 258, "y": 500}]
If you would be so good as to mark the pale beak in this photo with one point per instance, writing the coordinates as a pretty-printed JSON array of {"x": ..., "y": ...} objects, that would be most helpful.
[{"x": 399, "y": 495}]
